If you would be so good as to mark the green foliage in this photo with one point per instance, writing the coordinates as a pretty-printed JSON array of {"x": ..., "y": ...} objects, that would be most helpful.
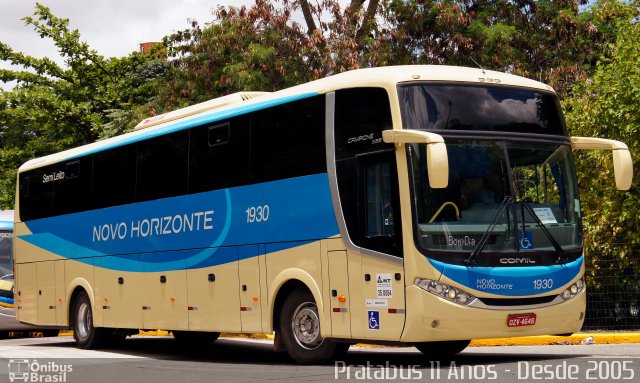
[
  {"x": 607, "y": 105},
  {"x": 55, "y": 107},
  {"x": 557, "y": 42}
]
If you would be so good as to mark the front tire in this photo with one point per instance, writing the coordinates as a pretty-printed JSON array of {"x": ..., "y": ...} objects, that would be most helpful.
[
  {"x": 300, "y": 331},
  {"x": 442, "y": 349},
  {"x": 86, "y": 335}
]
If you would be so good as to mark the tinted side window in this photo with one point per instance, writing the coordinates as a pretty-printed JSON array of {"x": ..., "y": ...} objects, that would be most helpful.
[
  {"x": 379, "y": 204},
  {"x": 288, "y": 140},
  {"x": 360, "y": 117},
  {"x": 219, "y": 155},
  {"x": 114, "y": 177},
  {"x": 36, "y": 193},
  {"x": 162, "y": 165},
  {"x": 72, "y": 192},
  {"x": 366, "y": 169}
]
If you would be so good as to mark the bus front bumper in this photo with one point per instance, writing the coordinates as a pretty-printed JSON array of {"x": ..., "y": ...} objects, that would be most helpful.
[{"x": 431, "y": 318}]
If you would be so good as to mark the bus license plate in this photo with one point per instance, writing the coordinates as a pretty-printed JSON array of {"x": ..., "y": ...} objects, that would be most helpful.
[{"x": 517, "y": 320}]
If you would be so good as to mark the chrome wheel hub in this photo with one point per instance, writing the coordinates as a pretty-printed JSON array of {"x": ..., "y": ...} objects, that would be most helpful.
[
  {"x": 306, "y": 326},
  {"x": 83, "y": 321}
]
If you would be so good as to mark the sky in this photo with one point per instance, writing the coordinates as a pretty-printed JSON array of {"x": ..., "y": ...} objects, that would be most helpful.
[{"x": 111, "y": 27}]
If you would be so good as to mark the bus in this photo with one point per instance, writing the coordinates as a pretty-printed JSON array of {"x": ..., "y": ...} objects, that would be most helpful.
[
  {"x": 413, "y": 205},
  {"x": 8, "y": 322}
]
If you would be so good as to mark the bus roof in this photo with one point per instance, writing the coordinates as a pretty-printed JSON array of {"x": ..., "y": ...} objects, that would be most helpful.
[{"x": 371, "y": 77}]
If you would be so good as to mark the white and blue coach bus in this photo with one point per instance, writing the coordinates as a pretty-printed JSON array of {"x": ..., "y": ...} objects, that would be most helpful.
[{"x": 414, "y": 205}]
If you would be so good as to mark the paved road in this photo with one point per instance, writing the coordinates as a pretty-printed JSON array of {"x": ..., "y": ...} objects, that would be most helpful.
[{"x": 158, "y": 359}]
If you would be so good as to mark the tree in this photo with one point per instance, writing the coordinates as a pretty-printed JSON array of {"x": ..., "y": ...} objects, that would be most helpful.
[
  {"x": 557, "y": 42},
  {"x": 56, "y": 107},
  {"x": 606, "y": 105}
]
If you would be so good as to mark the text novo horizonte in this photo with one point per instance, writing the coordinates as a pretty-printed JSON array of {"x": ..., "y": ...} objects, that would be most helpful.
[{"x": 156, "y": 226}]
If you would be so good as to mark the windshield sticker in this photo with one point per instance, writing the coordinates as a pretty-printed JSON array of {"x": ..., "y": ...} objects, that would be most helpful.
[
  {"x": 383, "y": 286},
  {"x": 545, "y": 214},
  {"x": 377, "y": 303}
]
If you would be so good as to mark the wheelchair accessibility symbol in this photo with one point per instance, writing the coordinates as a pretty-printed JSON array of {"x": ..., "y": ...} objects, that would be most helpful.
[
  {"x": 526, "y": 240},
  {"x": 374, "y": 320}
]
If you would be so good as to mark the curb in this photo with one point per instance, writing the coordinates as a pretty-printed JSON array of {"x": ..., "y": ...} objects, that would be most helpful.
[{"x": 581, "y": 338}]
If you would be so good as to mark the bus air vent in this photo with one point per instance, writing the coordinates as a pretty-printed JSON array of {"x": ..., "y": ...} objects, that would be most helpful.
[
  {"x": 206, "y": 106},
  {"x": 517, "y": 301}
]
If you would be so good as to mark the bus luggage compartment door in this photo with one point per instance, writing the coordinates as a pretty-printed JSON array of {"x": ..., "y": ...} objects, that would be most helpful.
[{"x": 340, "y": 298}]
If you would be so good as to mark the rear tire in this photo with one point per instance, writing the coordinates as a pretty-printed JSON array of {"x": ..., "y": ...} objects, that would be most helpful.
[
  {"x": 300, "y": 331},
  {"x": 442, "y": 349},
  {"x": 86, "y": 335}
]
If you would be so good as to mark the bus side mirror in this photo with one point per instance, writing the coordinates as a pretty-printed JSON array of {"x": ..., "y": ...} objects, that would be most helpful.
[
  {"x": 438, "y": 165},
  {"x": 437, "y": 158},
  {"x": 622, "y": 163}
]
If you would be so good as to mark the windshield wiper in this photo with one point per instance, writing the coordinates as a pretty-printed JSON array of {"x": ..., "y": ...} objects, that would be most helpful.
[
  {"x": 485, "y": 237},
  {"x": 562, "y": 257}
]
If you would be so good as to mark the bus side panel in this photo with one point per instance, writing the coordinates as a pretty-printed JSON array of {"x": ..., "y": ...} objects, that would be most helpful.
[
  {"x": 118, "y": 296},
  {"x": 26, "y": 297},
  {"x": 300, "y": 263},
  {"x": 214, "y": 292},
  {"x": 46, "y": 286},
  {"x": 249, "y": 272},
  {"x": 340, "y": 299},
  {"x": 62, "y": 315},
  {"x": 80, "y": 275},
  {"x": 164, "y": 304}
]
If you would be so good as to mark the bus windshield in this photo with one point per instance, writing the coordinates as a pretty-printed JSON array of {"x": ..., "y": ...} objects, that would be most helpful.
[
  {"x": 520, "y": 196},
  {"x": 486, "y": 108},
  {"x": 6, "y": 247}
]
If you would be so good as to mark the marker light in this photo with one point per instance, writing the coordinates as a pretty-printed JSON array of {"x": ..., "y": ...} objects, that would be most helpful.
[{"x": 445, "y": 291}]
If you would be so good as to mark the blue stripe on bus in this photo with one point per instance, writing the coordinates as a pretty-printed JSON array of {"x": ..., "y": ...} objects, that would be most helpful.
[
  {"x": 511, "y": 281},
  {"x": 196, "y": 121},
  {"x": 5, "y": 300},
  {"x": 193, "y": 231}
]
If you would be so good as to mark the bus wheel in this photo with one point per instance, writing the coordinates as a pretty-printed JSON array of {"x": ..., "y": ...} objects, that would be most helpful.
[
  {"x": 195, "y": 338},
  {"x": 300, "y": 331},
  {"x": 442, "y": 349},
  {"x": 86, "y": 335}
]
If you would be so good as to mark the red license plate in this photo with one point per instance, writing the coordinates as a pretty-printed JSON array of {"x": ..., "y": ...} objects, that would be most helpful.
[{"x": 518, "y": 320}]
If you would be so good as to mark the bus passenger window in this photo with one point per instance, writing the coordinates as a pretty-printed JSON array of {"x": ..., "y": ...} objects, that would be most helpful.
[{"x": 379, "y": 204}]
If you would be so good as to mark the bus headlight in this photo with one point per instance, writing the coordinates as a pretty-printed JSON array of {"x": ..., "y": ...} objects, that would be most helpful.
[
  {"x": 450, "y": 293},
  {"x": 573, "y": 290}
]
